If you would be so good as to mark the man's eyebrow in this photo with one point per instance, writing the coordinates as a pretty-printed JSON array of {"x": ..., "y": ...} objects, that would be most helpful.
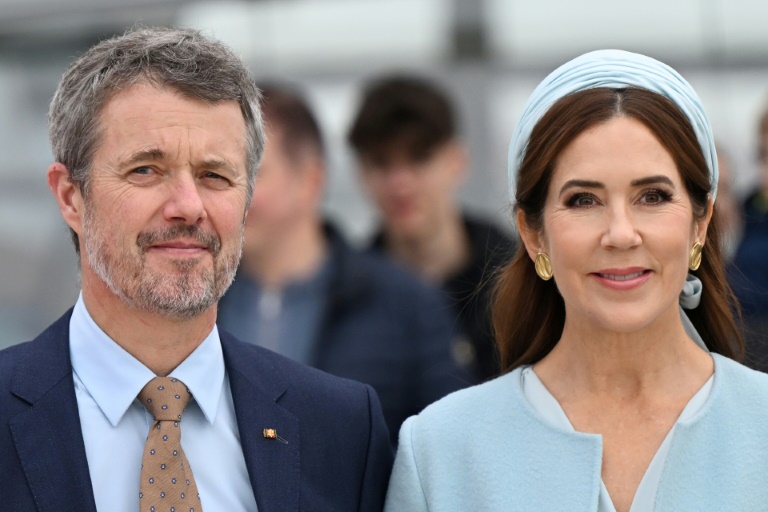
[
  {"x": 145, "y": 155},
  {"x": 215, "y": 164},
  {"x": 156, "y": 154}
]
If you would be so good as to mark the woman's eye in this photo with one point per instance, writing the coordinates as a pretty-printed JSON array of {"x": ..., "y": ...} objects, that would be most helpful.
[
  {"x": 655, "y": 197},
  {"x": 582, "y": 200}
]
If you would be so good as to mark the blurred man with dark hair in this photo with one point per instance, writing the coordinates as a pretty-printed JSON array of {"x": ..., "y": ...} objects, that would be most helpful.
[
  {"x": 303, "y": 292},
  {"x": 413, "y": 164}
]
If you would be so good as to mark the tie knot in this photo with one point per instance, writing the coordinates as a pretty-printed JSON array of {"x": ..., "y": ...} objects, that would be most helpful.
[{"x": 165, "y": 398}]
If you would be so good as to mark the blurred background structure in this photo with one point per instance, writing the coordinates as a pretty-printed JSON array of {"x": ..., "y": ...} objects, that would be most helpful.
[{"x": 488, "y": 53}]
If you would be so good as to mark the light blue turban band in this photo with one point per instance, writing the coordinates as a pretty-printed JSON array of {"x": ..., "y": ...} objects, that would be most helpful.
[{"x": 618, "y": 69}]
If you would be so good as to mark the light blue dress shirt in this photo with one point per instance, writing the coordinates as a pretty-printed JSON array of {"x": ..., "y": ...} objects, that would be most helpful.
[{"x": 115, "y": 424}]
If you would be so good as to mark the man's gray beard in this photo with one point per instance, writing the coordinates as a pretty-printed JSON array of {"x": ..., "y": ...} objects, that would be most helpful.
[{"x": 184, "y": 295}]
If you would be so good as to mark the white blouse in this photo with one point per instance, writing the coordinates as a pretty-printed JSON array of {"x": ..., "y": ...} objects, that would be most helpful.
[{"x": 549, "y": 408}]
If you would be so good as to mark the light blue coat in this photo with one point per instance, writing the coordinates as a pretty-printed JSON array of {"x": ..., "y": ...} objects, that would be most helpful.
[{"x": 485, "y": 449}]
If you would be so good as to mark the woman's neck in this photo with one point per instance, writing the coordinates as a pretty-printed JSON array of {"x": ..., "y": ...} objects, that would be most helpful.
[{"x": 589, "y": 360}]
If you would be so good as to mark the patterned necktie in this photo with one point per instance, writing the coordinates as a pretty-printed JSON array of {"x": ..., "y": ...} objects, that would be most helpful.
[{"x": 167, "y": 483}]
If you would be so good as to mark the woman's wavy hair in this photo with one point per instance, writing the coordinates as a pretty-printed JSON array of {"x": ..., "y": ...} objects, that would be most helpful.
[{"x": 528, "y": 314}]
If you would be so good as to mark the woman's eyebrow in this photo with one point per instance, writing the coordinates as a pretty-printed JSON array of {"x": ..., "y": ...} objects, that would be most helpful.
[
  {"x": 580, "y": 183},
  {"x": 652, "y": 180}
]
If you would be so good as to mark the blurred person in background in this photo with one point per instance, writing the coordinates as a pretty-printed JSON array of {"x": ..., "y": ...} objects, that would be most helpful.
[
  {"x": 413, "y": 162},
  {"x": 157, "y": 136},
  {"x": 304, "y": 292},
  {"x": 749, "y": 268}
]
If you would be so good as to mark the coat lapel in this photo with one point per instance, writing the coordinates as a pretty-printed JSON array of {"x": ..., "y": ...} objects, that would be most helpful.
[
  {"x": 47, "y": 435},
  {"x": 273, "y": 463}
]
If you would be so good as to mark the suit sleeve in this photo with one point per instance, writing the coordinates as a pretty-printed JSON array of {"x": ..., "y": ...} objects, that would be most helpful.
[
  {"x": 405, "y": 492},
  {"x": 378, "y": 464}
]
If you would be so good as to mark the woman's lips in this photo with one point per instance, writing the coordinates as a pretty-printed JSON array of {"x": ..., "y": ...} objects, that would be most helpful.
[{"x": 622, "y": 279}]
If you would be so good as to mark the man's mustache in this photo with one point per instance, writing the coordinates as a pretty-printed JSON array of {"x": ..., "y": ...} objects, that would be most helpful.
[{"x": 210, "y": 241}]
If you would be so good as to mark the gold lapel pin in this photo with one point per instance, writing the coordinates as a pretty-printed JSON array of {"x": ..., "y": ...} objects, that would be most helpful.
[{"x": 271, "y": 433}]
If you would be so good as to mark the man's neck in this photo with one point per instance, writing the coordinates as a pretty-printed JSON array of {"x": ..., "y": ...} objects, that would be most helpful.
[
  {"x": 297, "y": 255},
  {"x": 437, "y": 254},
  {"x": 159, "y": 342}
]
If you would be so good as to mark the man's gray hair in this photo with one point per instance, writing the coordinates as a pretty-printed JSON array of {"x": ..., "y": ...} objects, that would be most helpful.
[{"x": 183, "y": 59}]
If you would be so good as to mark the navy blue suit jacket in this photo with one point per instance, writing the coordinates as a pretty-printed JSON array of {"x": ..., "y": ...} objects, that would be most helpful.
[{"x": 337, "y": 456}]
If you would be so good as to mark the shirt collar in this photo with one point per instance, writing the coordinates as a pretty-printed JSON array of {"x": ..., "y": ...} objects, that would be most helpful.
[{"x": 113, "y": 377}]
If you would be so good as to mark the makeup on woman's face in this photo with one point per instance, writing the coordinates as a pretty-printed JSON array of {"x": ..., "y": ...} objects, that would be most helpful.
[{"x": 618, "y": 227}]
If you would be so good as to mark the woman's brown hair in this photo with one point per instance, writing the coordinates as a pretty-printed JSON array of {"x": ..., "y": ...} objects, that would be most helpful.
[{"x": 528, "y": 314}]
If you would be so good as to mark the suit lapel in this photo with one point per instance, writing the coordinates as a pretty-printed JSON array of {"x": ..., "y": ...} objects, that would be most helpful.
[
  {"x": 47, "y": 435},
  {"x": 273, "y": 463}
]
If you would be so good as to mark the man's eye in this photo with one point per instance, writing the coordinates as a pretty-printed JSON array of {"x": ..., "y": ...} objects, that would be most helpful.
[
  {"x": 142, "y": 170},
  {"x": 216, "y": 180}
]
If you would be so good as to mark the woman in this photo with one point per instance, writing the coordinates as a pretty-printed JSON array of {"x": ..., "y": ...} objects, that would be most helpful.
[{"x": 613, "y": 399}]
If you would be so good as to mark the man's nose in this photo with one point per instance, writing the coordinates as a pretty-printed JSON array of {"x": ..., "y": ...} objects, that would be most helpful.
[{"x": 185, "y": 202}]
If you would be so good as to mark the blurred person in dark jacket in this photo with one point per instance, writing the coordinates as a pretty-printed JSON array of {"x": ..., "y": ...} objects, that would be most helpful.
[
  {"x": 749, "y": 270},
  {"x": 302, "y": 291},
  {"x": 413, "y": 163}
]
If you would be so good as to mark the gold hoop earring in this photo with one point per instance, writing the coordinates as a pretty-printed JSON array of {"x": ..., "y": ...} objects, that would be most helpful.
[
  {"x": 543, "y": 266},
  {"x": 694, "y": 259}
]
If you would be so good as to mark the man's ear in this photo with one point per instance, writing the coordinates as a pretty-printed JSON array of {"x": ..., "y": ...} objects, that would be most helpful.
[
  {"x": 68, "y": 196},
  {"x": 531, "y": 238}
]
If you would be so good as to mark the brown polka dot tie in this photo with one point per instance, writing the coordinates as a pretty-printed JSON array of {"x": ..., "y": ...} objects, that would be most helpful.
[{"x": 167, "y": 484}]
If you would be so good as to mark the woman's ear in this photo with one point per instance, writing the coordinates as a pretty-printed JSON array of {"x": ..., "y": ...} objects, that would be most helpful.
[
  {"x": 703, "y": 224},
  {"x": 531, "y": 238}
]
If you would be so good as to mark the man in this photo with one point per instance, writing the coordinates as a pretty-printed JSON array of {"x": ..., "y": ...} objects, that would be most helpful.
[
  {"x": 412, "y": 162},
  {"x": 157, "y": 136},
  {"x": 303, "y": 292}
]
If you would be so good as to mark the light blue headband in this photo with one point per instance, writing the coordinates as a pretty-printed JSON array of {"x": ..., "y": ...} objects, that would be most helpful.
[{"x": 615, "y": 69}]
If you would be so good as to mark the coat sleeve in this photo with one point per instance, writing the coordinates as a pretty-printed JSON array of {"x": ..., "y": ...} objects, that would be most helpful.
[
  {"x": 378, "y": 464},
  {"x": 406, "y": 493}
]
